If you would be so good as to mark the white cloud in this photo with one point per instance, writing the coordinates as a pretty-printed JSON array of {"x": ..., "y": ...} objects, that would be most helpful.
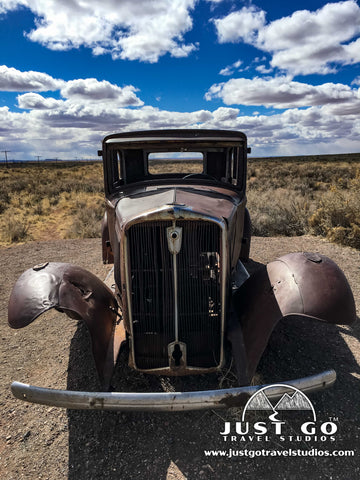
[
  {"x": 302, "y": 43},
  {"x": 227, "y": 71},
  {"x": 6, "y": 5},
  {"x": 70, "y": 128},
  {"x": 230, "y": 69},
  {"x": 89, "y": 109},
  {"x": 264, "y": 70},
  {"x": 224, "y": 114},
  {"x": 34, "y": 101},
  {"x": 281, "y": 92},
  {"x": 241, "y": 25},
  {"x": 79, "y": 91},
  {"x": 90, "y": 89},
  {"x": 135, "y": 30},
  {"x": 13, "y": 80}
]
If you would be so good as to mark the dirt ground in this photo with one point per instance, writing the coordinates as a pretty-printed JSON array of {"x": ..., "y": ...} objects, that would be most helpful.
[{"x": 51, "y": 443}]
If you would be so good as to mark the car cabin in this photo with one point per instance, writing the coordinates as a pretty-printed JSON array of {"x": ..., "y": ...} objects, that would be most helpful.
[{"x": 174, "y": 156}]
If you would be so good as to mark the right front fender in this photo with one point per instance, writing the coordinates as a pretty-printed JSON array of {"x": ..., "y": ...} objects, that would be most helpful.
[{"x": 297, "y": 284}]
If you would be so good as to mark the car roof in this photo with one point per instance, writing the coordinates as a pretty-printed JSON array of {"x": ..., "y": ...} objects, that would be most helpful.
[{"x": 177, "y": 135}]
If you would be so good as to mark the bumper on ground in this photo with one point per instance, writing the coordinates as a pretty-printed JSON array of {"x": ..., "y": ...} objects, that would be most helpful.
[{"x": 163, "y": 401}]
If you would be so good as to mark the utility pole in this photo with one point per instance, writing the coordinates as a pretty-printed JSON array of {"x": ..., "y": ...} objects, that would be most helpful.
[
  {"x": 6, "y": 159},
  {"x": 38, "y": 157}
]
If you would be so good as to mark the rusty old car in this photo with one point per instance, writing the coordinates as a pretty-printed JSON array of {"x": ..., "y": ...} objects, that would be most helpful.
[{"x": 178, "y": 238}]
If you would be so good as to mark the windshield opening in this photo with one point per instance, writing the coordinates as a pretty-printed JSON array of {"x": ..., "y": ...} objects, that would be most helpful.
[{"x": 175, "y": 162}]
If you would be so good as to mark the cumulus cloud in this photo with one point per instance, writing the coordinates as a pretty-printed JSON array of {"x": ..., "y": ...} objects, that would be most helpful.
[
  {"x": 281, "y": 92},
  {"x": 82, "y": 111},
  {"x": 34, "y": 101},
  {"x": 242, "y": 25},
  {"x": 82, "y": 90},
  {"x": 90, "y": 89},
  {"x": 6, "y": 5},
  {"x": 302, "y": 43},
  {"x": 134, "y": 30},
  {"x": 13, "y": 80},
  {"x": 69, "y": 128}
]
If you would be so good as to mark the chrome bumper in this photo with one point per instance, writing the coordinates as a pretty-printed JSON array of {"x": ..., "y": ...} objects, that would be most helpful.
[{"x": 175, "y": 401}]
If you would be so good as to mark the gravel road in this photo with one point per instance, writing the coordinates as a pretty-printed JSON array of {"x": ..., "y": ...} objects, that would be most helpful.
[{"x": 50, "y": 443}]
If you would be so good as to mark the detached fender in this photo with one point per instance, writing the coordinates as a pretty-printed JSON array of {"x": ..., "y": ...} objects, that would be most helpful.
[
  {"x": 300, "y": 284},
  {"x": 78, "y": 293}
]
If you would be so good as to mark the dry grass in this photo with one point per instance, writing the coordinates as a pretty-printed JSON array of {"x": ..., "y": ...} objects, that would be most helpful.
[
  {"x": 306, "y": 196},
  {"x": 50, "y": 201},
  {"x": 286, "y": 196},
  {"x": 338, "y": 214}
]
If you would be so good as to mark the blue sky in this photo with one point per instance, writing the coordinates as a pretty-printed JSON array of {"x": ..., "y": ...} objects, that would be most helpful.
[{"x": 287, "y": 73}]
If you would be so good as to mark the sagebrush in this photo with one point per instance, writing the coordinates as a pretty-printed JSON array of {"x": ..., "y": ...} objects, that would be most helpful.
[{"x": 297, "y": 196}]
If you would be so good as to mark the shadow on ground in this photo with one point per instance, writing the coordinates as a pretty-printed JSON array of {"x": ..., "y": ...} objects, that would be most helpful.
[{"x": 117, "y": 445}]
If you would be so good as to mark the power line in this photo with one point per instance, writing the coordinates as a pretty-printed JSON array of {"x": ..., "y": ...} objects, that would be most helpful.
[{"x": 6, "y": 159}]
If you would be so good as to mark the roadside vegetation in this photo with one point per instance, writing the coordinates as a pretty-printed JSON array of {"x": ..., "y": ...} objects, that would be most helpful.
[
  {"x": 286, "y": 196},
  {"x": 308, "y": 195},
  {"x": 50, "y": 201}
]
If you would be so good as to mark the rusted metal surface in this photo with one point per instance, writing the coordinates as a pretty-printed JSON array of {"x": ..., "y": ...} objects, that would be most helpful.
[
  {"x": 166, "y": 199},
  {"x": 178, "y": 204},
  {"x": 323, "y": 290},
  {"x": 171, "y": 402},
  {"x": 76, "y": 292},
  {"x": 179, "y": 288},
  {"x": 135, "y": 197},
  {"x": 107, "y": 254},
  {"x": 173, "y": 136},
  {"x": 299, "y": 284},
  {"x": 154, "y": 341}
]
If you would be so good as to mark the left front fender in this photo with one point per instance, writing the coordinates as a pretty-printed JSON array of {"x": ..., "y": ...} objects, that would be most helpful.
[{"x": 78, "y": 293}]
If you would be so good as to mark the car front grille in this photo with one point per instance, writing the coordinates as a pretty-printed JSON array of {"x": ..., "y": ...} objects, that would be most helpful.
[{"x": 195, "y": 293}]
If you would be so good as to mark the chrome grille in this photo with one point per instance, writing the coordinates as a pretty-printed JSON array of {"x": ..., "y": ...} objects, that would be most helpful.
[{"x": 153, "y": 297}]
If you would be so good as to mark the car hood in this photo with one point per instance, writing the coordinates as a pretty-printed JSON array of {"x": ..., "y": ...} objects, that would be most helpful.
[{"x": 156, "y": 202}]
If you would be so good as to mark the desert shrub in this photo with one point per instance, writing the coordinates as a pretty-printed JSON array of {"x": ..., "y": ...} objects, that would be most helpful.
[
  {"x": 4, "y": 200},
  {"x": 338, "y": 215},
  {"x": 38, "y": 192},
  {"x": 285, "y": 197},
  {"x": 14, "y": 227},
  {"x": 295, "y": 198},
  {"x": 86, "y": 220},
  {"x": 278, "y": 212}
]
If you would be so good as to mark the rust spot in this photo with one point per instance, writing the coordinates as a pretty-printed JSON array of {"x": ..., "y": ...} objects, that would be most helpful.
[
  {"x": 97, "y": 402},
  {"x": 237, "y": 400}
]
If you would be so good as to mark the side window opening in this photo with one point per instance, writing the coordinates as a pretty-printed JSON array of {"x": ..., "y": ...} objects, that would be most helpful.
[
  {"x": 233, "y": 170},
  {"x": 116, "y": 167}
]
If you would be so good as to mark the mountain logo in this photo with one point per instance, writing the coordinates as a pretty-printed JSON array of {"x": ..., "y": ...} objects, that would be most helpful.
[{"x": 293, "y": 399}]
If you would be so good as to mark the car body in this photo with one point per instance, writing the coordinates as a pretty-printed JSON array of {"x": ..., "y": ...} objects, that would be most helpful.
[{"x": 179, "y": 240}]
